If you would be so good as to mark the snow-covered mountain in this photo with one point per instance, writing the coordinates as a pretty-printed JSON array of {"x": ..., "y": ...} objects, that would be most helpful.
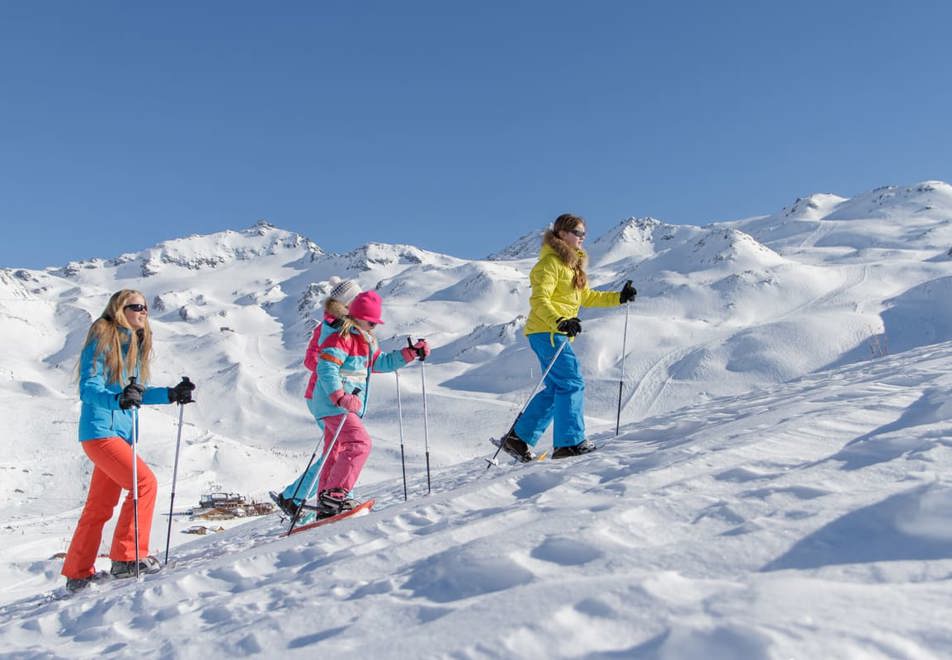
[
  {"x": 809, "y": 315},
  {"x": 890, "y": 217}
]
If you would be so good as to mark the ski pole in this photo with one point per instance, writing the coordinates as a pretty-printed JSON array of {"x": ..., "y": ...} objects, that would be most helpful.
[
  {"x": 178, "y": 443},
  {"x": 624, "y": 354},
  {"x": 403, "y": 463},
  {"x": 330, "y": 448},
  {"x": 426, "y": 430},
  {"x": 135, "y": 475},
  {"x": 492, "y": 461}
]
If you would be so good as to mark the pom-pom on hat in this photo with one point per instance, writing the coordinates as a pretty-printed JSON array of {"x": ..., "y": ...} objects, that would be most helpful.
[
  {"x": 367, "y": 306},
  {"x": 343, "y": 290}
]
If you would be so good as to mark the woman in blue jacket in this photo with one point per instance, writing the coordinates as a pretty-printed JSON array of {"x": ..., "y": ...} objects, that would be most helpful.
[{"x": 118, "y": 346}]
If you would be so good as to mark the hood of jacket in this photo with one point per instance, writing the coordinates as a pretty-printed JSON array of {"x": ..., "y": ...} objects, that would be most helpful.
[{"x": 575, "y": 259}]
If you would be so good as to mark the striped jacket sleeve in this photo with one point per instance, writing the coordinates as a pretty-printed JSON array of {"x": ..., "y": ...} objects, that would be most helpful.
[{"x": 330, "y": 358}]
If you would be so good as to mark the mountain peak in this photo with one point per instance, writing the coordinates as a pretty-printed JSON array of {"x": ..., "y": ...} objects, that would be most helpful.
[
  {"x": 198, "y": 252},
  {"x": 525, "y": 247},
  {"x": 637, "y": 239},
  {"x": 812, "y": 207},
  {"x": 371, "y": 256},
  {"x": 930, "y": 199},
  {"x": 633, "y": 230},
  {"x": 201, "y": 251}
]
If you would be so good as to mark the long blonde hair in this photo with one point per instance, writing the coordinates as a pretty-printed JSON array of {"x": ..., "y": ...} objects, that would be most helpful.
[
  {"x": 105, "y": 333},
  {"x": 349, "y": 323}
]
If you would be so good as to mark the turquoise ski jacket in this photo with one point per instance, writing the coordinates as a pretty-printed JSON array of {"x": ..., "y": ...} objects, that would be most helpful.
[{"x": 101, "y": 416}]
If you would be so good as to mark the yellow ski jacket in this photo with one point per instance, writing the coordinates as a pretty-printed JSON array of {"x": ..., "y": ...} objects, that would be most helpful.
[{"x": 554, "y": 294}]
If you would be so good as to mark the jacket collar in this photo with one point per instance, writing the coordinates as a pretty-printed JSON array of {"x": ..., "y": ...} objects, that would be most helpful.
[{"x": 571, "y": 257}]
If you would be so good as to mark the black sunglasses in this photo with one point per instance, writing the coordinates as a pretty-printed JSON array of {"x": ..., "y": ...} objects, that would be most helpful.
[
  {"x": 577, "y": 232},
  {"x": 137, "y": 307}
]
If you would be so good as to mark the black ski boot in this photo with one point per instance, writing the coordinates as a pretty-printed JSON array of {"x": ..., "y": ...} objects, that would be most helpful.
[
  {"x": 127, "y": 569},
  {"x": 333, "y": 501},
  {"x": 288, "y": 506},
  {"x": 583, "y": 447},
  {"x": 516, "y": 447},
  {"x": 78, "y": 584}
]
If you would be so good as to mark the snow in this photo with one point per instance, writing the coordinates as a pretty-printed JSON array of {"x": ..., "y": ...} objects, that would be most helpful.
[{"x": 778, "y": 489}]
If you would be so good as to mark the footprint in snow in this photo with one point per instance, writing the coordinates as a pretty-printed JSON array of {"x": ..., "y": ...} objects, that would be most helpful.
[
  {"x": 566, "y": 551},
  {"x": 538, "y": 482},
  {"x": 460, "y": 573}
]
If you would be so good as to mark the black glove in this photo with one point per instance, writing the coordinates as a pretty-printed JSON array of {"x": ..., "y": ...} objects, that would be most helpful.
[
  {"x": 570, "y": 327},
  {"x": 130, "y": 396},
  {"x": 182, "y": 393},
  {"x": 628, "y": 293}
]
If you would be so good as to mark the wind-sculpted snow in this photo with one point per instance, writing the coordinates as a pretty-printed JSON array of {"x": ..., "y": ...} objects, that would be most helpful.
[{"x": 919, "y": 316}]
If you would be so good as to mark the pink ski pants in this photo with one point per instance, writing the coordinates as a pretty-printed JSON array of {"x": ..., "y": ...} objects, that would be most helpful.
[{"x": 343, "y": 465}]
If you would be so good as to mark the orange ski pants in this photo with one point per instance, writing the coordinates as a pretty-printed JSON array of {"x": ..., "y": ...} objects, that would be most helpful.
[{"x": 112, "y": 458}]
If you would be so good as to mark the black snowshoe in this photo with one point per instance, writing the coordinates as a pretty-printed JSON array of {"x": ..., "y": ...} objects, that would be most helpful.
[
  {"x": 334, "y": 501},
  {"x": 516, "y": 447},
  {"x": 127, "y": 569},
  {"x": 287, "y": 506},
  {"x": 78, "y": 584},
  {"x": 584, "y": 447}
]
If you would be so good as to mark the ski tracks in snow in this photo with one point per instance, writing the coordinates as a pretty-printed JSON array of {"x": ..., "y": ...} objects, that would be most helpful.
[{"x": 650, "y": 388}]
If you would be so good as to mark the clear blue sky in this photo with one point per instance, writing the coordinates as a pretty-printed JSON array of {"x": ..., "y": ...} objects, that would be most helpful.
[{"x": 454, "y": 126}]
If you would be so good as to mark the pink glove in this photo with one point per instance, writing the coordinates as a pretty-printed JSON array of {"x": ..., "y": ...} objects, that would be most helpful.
[
  {"x": 349, "y": 402},
  {"x": 418, "y": 350}
]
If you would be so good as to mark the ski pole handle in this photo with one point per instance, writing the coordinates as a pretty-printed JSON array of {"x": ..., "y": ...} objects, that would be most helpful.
[
  {"x": 132, "y": 381},
  {"x": 186, "y": 380},
  {"x": 419, "y": 351}
]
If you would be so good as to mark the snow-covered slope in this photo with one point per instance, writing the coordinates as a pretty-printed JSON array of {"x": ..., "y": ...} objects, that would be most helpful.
[
  {"x": 725, "y": 313},
  {"x": 806, "y": 520}
]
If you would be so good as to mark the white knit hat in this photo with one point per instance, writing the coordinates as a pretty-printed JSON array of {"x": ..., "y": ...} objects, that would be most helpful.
[{"x": 343, "y": 290}]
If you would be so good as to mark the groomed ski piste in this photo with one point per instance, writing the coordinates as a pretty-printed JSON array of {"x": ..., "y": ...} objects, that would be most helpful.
[
  {"x": 807, "y": 520},
  {"x": 779, "y": 487}
]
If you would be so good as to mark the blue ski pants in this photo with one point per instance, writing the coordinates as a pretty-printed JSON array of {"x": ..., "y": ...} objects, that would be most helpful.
[{"x": 562, "y": 398}]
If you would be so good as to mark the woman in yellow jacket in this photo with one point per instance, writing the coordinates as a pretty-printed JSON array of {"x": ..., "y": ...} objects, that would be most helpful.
[{"x": 559, "y": 289}]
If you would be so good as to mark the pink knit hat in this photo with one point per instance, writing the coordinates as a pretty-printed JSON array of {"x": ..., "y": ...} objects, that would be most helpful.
[{"x": 367, "y": 306}]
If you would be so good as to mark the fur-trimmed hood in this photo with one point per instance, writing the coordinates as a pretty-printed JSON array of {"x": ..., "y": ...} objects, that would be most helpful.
[{"x": 574, "y": 259}]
